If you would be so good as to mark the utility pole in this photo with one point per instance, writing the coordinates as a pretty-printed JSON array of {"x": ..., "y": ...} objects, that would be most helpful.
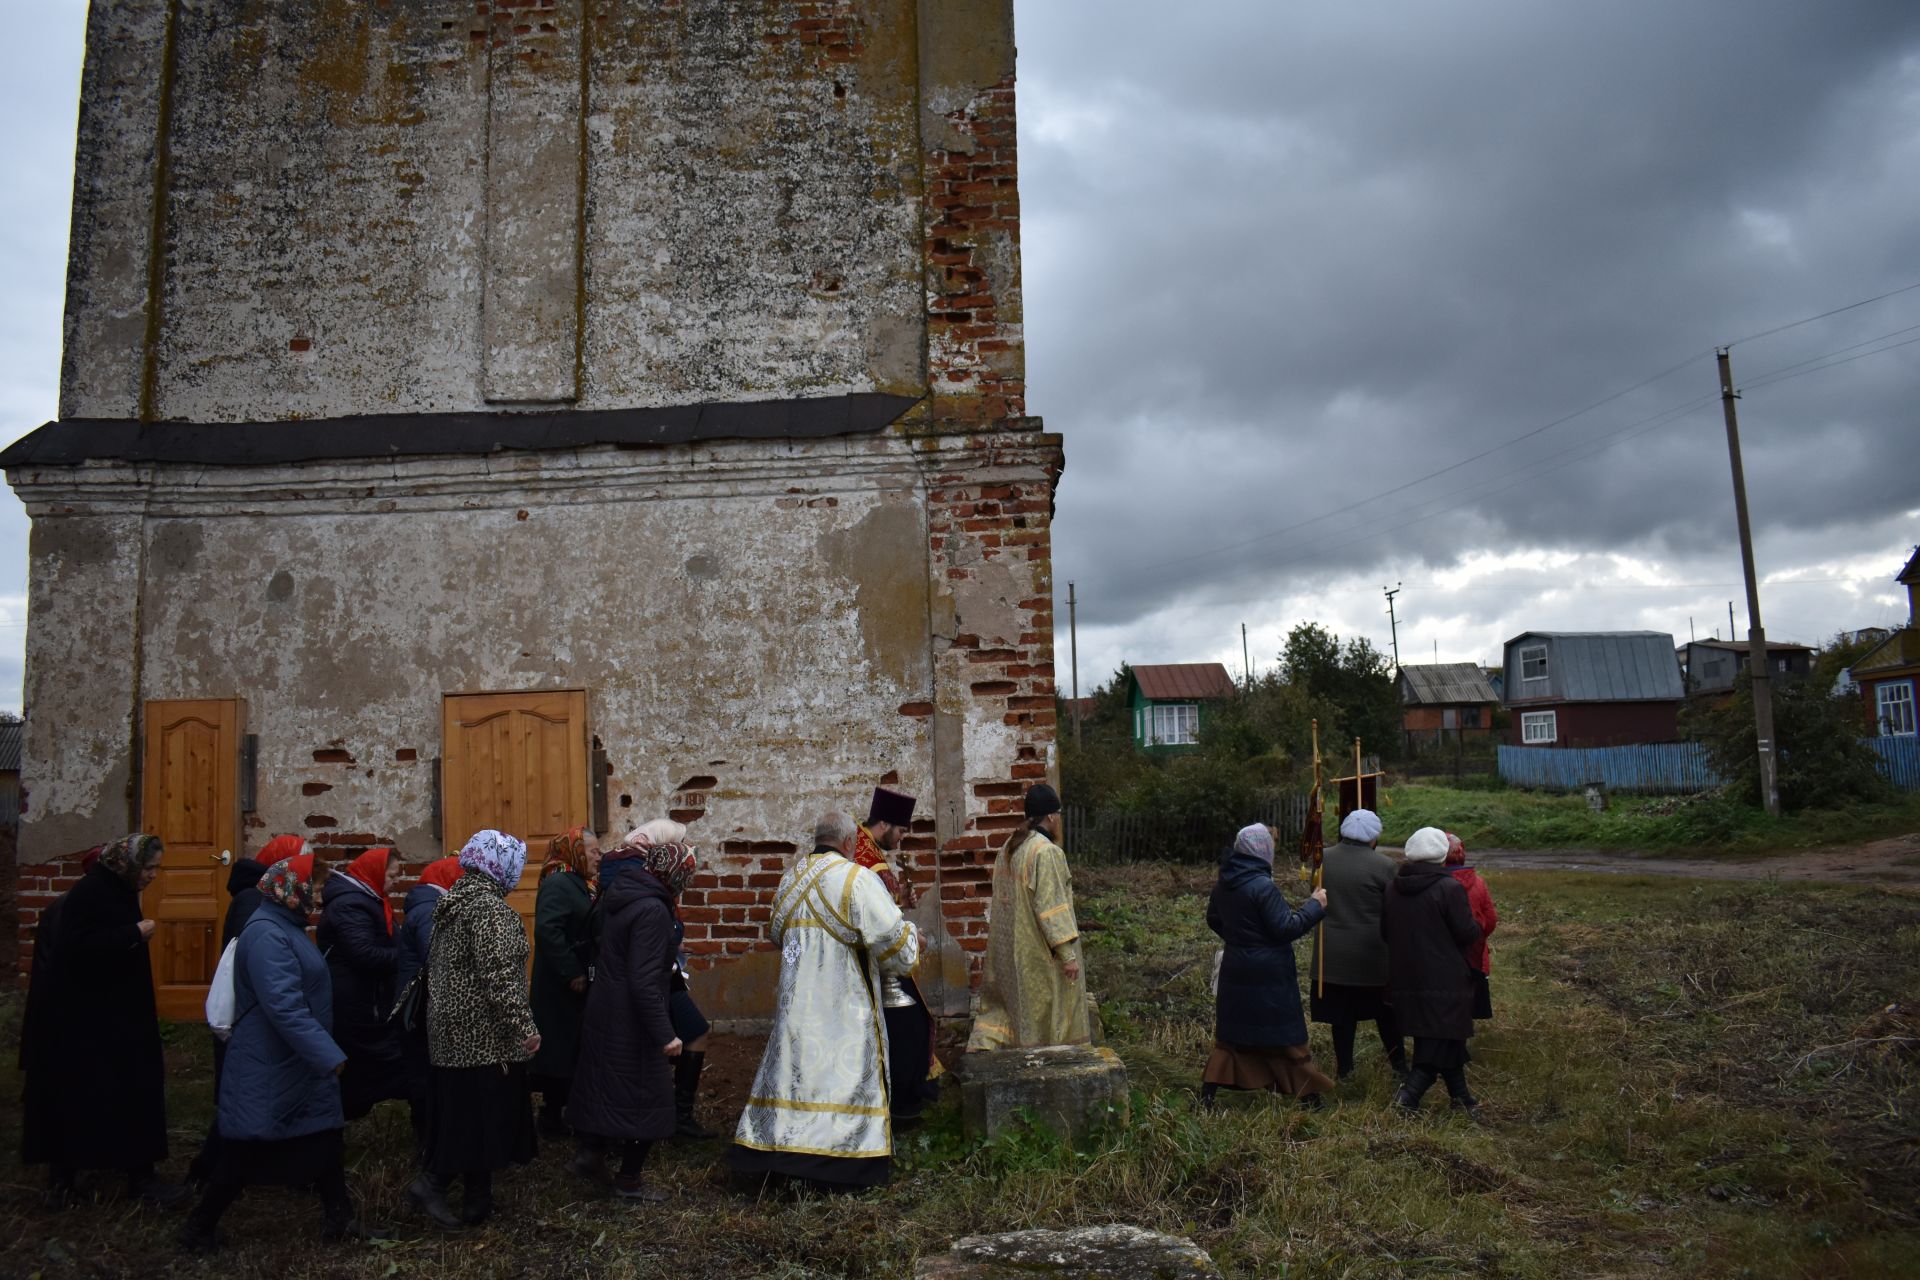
[
  {"x": 1246, "y": 663},
  {"x": 1073, "y": 649},
  {"x": 1756, "y": 634},
  {"x": 1394, "y": 622},
  {"x": 1733, "y": 633}
]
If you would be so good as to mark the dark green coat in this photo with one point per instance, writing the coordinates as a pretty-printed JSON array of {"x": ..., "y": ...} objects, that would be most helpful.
[{"x": 561, "y": 913}]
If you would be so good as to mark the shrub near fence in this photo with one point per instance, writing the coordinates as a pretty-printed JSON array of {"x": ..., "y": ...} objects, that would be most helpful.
[{"x": 1105, "y": 837}]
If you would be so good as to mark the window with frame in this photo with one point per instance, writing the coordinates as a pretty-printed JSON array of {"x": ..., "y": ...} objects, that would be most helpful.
[
  {"x": 1539, "y": 727},
  {"x": 1894, "y": 702},
  {"x": 1533, "y": 662},
  {"x": 1176, "y": 725}
]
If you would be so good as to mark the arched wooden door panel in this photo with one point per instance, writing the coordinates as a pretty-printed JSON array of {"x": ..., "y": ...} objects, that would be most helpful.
[
  {"x": 190, "y": 799},
  {"x": 516, "y": 762}
]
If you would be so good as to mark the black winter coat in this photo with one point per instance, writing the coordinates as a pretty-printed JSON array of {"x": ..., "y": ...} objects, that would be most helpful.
[
  {"x": 361, "y": 957},
  {"x": 1258, "y": 1005},
  {"x": 415, "y": 934},
  {"x": 1429, "y": 930},
  {"x": 109, "y": 1085},
  {"x": 243, "y": 898},
  {"x": 39, "y": 1121},
  {"x": 623, "y": 1084}
]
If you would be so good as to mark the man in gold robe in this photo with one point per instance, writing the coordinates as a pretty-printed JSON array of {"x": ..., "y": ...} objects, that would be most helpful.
[
  {"x": 818, "y": 1109},
  {"x": 1031, "y": 993}
]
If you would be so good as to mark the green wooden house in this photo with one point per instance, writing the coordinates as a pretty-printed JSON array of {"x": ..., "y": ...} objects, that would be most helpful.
[{"x": 1171, "y": 701}]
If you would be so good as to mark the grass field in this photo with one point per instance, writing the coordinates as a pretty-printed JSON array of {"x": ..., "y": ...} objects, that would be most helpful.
[
  {"x": 1505, "y": 818},
  {"x": 1686, "y": 1078}
]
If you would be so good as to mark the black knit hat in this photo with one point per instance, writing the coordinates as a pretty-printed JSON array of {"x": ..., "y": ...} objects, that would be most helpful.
[
  {"x": 1042, "y": 800},
  {"x": 895, "y": 808}
]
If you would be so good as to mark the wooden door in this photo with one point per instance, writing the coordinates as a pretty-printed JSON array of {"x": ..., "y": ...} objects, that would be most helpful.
[
  {"x": 516, "y": 762},
  {"x": 190, "y": 798}
]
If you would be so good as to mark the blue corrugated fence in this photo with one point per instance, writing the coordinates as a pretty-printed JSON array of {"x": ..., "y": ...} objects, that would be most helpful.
[
  {"x": 1899, "y": 760},
  {"x": 1663, "y": 766},
  {"x": 1656, "y": 766}
]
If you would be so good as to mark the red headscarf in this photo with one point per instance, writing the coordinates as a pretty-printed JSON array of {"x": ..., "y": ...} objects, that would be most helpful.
[
  {"x": 1456, "y": 852},
  {"x": 442, "y": 872},
  {"x": 370, "y": 869},
  {"x": 278, "y": 848}
]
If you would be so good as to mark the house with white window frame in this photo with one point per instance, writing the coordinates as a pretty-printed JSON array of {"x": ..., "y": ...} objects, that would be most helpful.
[
  {"x": 1171, "y": 701},
  {"x": 1889, "y": 673},
  {"x": 1592, "y": 688}
]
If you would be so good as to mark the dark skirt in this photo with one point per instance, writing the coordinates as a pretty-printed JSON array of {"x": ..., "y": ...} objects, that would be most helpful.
[
  {"x": 1341, "y": 1003},
  {"x": 840, "y": 1172},
  {"x": 1440, "y": 1055},
  {"x": 1482, "y": 997},
  {"x": 688, "y": 1022},
  {"x": 1286, "y": 1069},
  {"x": 280, "y": 1162},
  {"x": 909, "y": 1055},
  {"x": 479, "y": 1119}
]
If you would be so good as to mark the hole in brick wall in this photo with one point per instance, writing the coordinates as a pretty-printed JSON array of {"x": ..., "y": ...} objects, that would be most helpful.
[
  {"x": 890, "y": 778},
  {"x": 839, "y": 90},
  {"x": 626, "y": 802},
  {"x": 405, "y": 754},
  {"x": 333, "y": 755},
  {"x": 520, "y": 515},
  {"x": 316, "y": 788},
  {"x": 700, "y": 782},
  {"x": 715, "y": 764}
]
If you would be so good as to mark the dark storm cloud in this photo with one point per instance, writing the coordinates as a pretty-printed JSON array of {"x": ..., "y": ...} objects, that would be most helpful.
[{"x": 1282, "y": 257}]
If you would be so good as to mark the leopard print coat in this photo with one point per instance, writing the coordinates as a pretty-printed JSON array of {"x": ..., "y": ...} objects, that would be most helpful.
[{"x": 477, "y": 1011}]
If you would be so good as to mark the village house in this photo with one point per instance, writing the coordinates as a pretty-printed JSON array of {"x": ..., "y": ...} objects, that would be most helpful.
[
  {"x": 468, "y": 420},
  {"x": 1889, "y": 673},
  {"x": 1592, "y": 688},
  {"x": 1445, "y": 702},
  {"x": 1710, "y": 667},
  {"x": 1171, "y": 702}
]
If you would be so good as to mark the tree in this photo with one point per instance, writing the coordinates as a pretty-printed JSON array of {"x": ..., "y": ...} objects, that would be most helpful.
[
  {"x": 1822, "y": 761},
  {"x": 1355, "y": 679}
]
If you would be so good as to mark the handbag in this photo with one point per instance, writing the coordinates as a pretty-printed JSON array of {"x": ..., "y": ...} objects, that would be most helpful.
[
  {"x": 411, "y": 1009},
  {"x": 220, "y": 998}
]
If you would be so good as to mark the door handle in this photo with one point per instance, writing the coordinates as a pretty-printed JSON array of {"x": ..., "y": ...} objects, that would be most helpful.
[{"x": 224, "y": 857}]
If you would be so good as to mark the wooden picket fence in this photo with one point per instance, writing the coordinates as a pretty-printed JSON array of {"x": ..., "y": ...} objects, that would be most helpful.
[{"x": 1105, "y": 837}]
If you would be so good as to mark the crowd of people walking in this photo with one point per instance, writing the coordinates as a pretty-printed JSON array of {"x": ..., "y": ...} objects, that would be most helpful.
[{"x": 449, "y": 1007}]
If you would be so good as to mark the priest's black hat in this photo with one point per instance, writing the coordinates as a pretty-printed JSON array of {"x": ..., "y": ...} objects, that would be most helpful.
[{"x": 895, "y": 808}]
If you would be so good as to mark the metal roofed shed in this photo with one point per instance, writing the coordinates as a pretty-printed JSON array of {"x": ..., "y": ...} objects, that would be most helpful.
[{"x": 1438, "y": 684}]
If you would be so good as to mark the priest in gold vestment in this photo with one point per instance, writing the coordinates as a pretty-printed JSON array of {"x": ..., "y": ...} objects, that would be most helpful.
[
  {"x": 1032, "y": 992},
  {"x": 818, "y": 1109}
]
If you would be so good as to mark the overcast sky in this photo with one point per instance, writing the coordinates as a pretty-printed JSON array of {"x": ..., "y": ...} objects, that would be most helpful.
[{"x": 1284, "y": 262}]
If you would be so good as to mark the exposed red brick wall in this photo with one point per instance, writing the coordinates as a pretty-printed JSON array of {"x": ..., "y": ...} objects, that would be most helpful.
[{"x": 35, "y": 888}]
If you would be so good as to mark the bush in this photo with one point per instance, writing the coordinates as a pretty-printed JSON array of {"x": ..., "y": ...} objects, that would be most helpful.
[{"x": 1822, "y": 763}]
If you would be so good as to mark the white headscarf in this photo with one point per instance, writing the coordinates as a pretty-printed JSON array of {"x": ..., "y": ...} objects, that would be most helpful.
[
  {"x": 1256, "y": 840},
  {"x": 664, "y": 831},
  {"x": 1428, "y": 844},
  {"x": 1362, "y": 826}
]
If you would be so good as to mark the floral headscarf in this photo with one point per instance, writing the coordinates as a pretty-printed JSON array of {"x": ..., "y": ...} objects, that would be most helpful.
[
  {"x": 568, "y": 852},
  {"x": 289, "y": 882},
  {"x": 128, "y": 856},
  {"x": 1255, "y": 840},
  {"x": 502, "y": 857},
  {"x": 673, "y": 863}
]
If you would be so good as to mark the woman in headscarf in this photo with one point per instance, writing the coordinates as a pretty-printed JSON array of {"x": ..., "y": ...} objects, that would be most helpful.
[
  {"x": 688, "y": 1022},
  {"x": 1480, "y": 900},
  {"x": 280, "y": 1117},
  {"x": 243, "y": 899},
  {"x": 39, "y": 1122},
  {"x": 1260, "y": 1035},
  {"x": 480, "y": 1034},
  {"x": 412, "y": 939},
  {"x": 562, "y": 951},
  {"x": 1430, "y": 933},
  {"x": 623, "y": 1095},
  {"x": 356, "y": 936},
  {"x": 108, "y": 1082},
  {"x": 1349, "y": 985}
]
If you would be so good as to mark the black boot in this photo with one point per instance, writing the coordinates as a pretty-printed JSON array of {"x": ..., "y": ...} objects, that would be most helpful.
[
  {"x": 686, "y": 1087},
  {"x": 1461, "y": 1097},
  {"x": 1207, "y": 1092},
  {"x": 1414, "y": 1088},
  {"x": 428, "y": 1194},
  {"x": 146, "y": 1187},
  {"x": 476, "y": 1198},
  {"x": 62, "y": 1189}
]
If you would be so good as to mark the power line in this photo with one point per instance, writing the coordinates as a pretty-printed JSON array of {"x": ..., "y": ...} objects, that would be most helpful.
[{"x": 1851, "y": 306}]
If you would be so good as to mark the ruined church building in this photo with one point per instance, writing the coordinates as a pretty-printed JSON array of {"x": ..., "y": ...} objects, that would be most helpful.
[{"x": 525, "y": 413}]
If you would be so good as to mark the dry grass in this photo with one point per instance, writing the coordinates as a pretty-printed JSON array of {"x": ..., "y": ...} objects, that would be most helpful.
[{"x": 1696, "y": 1079}]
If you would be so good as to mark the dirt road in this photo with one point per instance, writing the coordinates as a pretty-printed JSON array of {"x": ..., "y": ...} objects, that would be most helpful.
[{"x": 1895, "y": 861}]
